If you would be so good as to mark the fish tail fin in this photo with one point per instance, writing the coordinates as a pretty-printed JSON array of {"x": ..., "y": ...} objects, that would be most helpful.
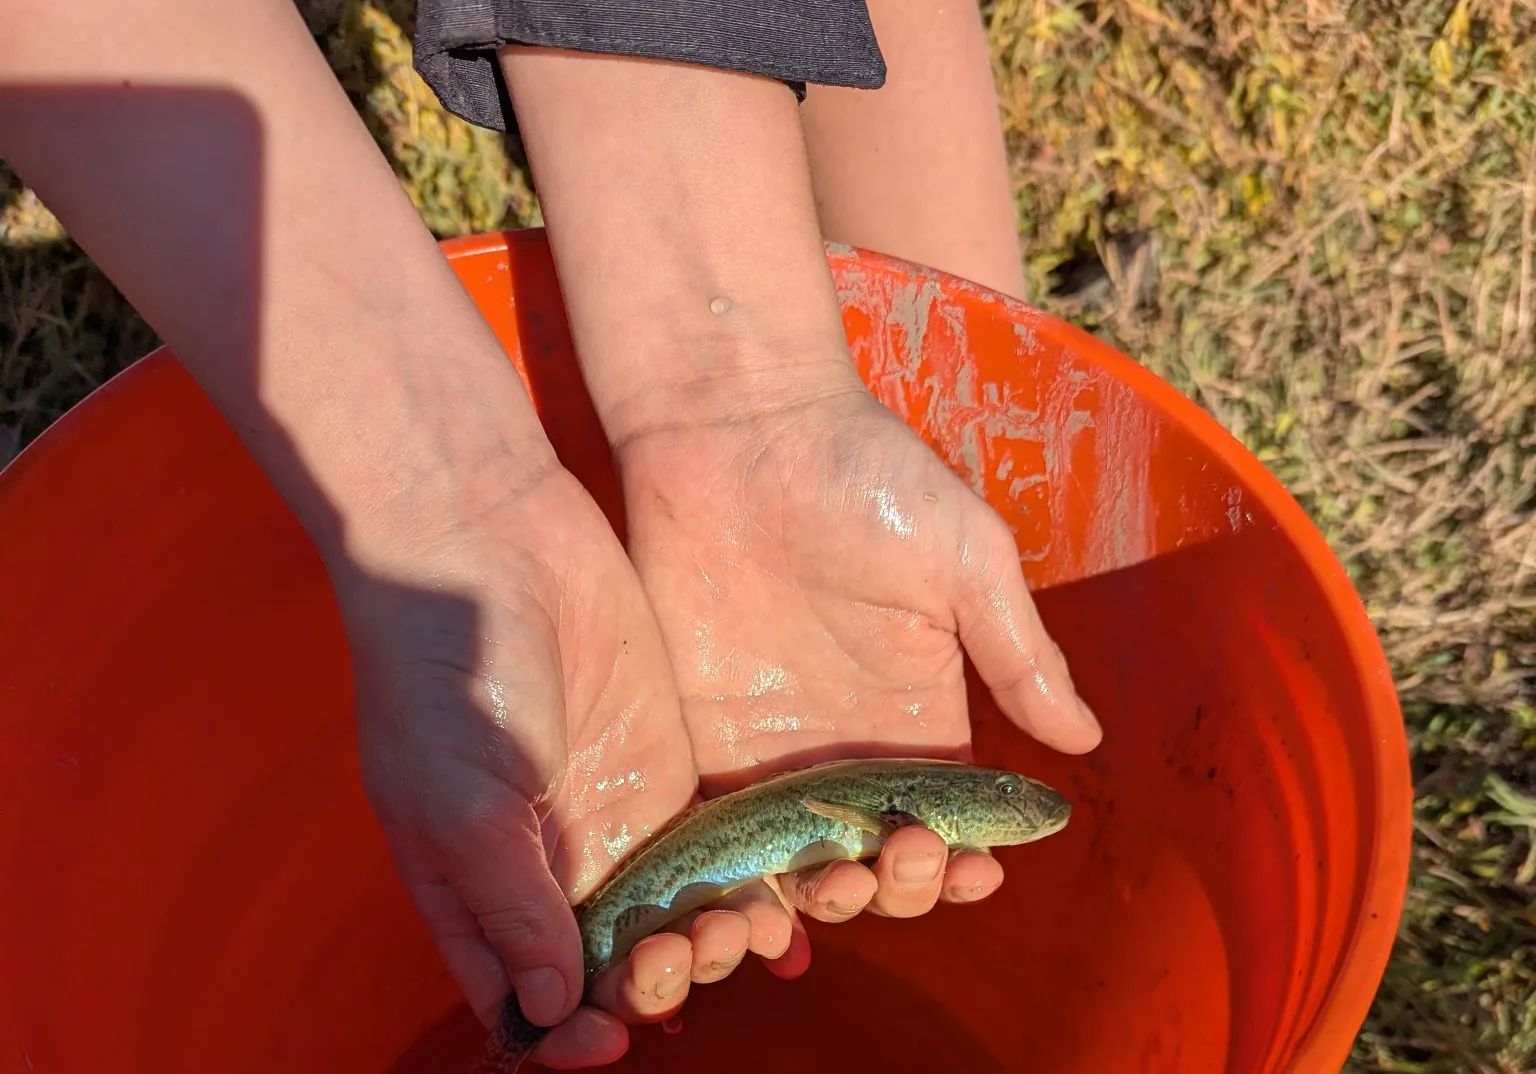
[{"x": 512, "y": 1040}]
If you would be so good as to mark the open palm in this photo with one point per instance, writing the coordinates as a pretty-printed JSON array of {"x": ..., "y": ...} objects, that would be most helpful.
[
  {"x": 819, "y": 577},
  {"x": 519, "y": 732}
]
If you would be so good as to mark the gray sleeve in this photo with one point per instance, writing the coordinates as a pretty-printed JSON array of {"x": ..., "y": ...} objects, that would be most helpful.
[{"x": 826, "y": 42}]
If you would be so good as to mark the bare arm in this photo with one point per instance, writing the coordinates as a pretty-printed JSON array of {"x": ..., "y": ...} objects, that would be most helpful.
[
  {"x": 815, "y": 568},
  {"x": 206, "y": 158},
  {"x": 919, "y": 170},
  {"x": 679, "y": 208}
]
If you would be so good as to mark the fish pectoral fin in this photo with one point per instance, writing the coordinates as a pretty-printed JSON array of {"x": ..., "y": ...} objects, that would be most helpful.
[{"x": 881, "y": 824}]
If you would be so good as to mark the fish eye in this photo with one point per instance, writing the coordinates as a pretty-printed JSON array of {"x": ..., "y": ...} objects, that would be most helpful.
[{"x": 1007, "y": 786}]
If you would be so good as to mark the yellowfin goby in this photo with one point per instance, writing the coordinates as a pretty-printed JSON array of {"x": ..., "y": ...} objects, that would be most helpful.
[{"x": 791, "y": 821}]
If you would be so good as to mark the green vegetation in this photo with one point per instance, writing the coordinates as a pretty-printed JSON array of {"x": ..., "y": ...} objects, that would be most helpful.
[{"x": 1316, "y": 218}]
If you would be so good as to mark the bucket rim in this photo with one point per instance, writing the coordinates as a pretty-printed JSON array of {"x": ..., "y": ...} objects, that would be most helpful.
[{"x": 1326, "y": 1040}]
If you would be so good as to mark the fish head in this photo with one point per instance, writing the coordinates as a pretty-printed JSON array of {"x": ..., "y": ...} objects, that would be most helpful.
[{"x": 984, "y": 807}]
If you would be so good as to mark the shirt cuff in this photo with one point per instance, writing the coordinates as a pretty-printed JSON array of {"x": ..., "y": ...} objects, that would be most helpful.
[{"x": 825, "y": 42}]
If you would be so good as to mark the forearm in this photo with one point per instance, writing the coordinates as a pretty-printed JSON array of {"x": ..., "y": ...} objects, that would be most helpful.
[
  {"x": 680, "y": 213},
  {"x": 207, "y": 160},
  {"x": 920, "y": 169}
]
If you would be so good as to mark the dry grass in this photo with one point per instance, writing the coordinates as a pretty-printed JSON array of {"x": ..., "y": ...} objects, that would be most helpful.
[{"x": 1316, "y": 217}]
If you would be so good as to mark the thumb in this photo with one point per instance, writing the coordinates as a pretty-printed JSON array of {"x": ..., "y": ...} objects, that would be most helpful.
[
  {"x": 498, "y": 869},
  {"x": 1006, "y": 640}
]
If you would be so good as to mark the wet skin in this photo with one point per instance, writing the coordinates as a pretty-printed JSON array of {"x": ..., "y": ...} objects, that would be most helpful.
[
  {"x": 814, "y": 814},
  {"x": 815, "y": 576}
]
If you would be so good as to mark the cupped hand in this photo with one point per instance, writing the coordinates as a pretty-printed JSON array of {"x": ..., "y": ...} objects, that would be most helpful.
[
  {"x": 519, "y": 731},
  {"x": 819, "y": 574}
]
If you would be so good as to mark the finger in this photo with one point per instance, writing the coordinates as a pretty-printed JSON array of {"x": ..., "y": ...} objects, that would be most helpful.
[
  {"x": 1008, "y": 644},
  {"x": 651, "y": 983},
  {"x": 971, "y": 876},
  {"x": 796, "y": 958},
  {"x": 471, "y": 961},
  {"x": 909, "y": 872},
  {"x": 720, "y": 939},
  {"x": 833, "y": 892},
  {"x": 768, "y": 918},
  {"x": 496, "y": 864},
  {"x": 587, "y": 1038}
]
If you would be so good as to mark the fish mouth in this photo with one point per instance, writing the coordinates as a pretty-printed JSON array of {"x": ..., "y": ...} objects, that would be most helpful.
[
  {"x": 1056, "y": 813},
  {"x": 1048, "y": 814}
]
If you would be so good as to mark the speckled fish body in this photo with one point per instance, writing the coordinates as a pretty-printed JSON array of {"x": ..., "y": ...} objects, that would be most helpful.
[{"x": 831, "y": 811}]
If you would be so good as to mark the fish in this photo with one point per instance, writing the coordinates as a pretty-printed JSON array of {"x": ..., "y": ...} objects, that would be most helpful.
[{"x": 804, "y": 817}]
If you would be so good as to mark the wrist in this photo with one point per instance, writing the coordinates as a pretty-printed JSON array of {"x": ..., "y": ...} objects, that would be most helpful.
[
  {"x": 397, "y": 443},
  {"x": 717, "y": 380},
  {"x": 684, "y": 230}
]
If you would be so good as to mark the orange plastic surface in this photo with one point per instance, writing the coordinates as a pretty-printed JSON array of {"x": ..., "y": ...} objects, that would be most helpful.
[{"x": 191, "y": 881}]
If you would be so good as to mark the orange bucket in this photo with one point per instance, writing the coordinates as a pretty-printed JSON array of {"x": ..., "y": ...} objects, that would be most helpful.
[{"x": 191, "y": 881}]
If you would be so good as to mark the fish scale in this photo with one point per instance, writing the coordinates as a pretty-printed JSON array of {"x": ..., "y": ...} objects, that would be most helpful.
[{"x": 791, "y": 821}]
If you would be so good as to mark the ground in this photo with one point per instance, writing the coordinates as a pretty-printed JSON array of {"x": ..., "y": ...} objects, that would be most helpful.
[{"x": 1316, "y": 218}]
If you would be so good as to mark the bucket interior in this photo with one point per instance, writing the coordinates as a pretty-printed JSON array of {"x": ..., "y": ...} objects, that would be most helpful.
[{"x": 192, "y": 879}]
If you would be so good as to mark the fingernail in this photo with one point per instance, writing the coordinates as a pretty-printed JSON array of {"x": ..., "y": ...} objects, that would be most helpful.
[
  {"x": 721, "y": 965},
  {"x": 917, "y": 868},
  {"x": 1088, "y": 717},
  {"x": 974, "y": 893},
  {"x": 671, "y": 984},
  {"x": 841, "y": 909},
  {"x": 541, "y": 994},
  {"x": 805, "y": 882}
]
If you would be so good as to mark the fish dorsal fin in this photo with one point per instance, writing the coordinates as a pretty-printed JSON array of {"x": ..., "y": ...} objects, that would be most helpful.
[{"x": 881, "y": 824}]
